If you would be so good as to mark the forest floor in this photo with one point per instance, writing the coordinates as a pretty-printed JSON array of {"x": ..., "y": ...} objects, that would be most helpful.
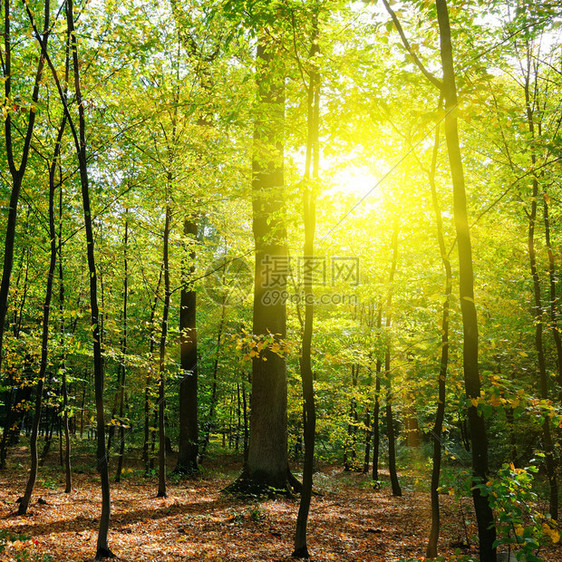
[{"x": 349, "y": 519}]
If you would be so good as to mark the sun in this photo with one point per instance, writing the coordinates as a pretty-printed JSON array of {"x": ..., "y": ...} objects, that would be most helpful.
[{"x": 359, "y": 182}]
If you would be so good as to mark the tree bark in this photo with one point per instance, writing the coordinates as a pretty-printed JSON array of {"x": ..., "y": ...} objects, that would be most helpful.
[
  {"x": 267, "y": 467},
  {"x": 377, "y": 406},
  {"x": 479, "y": 439},
  {"x": 24, "y": 503},
  {"x": 554, "y": 301},
  {"x": 148, "y": 381},
  {"x": 123, "y": 362},
  {"x": 162, "y": 360},
  {"x": 396, "y": 490},
  {"x": 16, "y": 173},
  {"x": 538, "y": 319},
  {"x": 102, "y": 549},
  {"x": 437, "y": 431},
  {"x": 189, "y": 428},
  {"x": 213, "y": 399},
  {"x": 309, "y": 219}
]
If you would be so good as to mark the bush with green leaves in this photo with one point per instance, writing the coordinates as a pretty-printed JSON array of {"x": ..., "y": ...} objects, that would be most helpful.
[{"x": 519, "y": 522}]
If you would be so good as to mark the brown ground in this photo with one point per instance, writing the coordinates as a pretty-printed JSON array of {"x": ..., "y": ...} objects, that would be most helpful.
[{"x": 349, "y": 521}]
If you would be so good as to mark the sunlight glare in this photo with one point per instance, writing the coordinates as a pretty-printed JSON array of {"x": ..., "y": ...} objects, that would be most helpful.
[{"x": 354, "y": 181}]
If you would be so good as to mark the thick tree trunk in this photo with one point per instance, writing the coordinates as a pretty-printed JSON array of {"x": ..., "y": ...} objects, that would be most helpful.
[
  {"x": 479, "y": 439},
  {"x": 189, "y": 427},
  {"x": 267, "y": 466}
]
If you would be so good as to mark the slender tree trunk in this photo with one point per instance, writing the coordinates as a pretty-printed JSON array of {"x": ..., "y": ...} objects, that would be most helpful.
[
  {"x": 553, "y": 280},
  {"x": 478, "y": 435},
  {"x": 349, "y": 451},
  {"x": 16, "y": 173},
  {"x": 102, "y": 549},
  {"x": 309, "y": 218},
  {"x": 123, "y": 363},
  {"x": 148, "y": 382},
  {"x": 188, "y": 403},
  {"x": 67, "y": 451},
  {"x": 539, "y": 344},
  {"x": 396, "y": 490},
  {"x": 162, "y": 362},
  {"x": 24, "y": 503},
  {"x": 538, "y": 312},
  {"x": 246, "y": 428},
  {"x": 368, "y": 434},
  {"x": 377, "y": 406},
  {"x": 437, "y": 431},
  {"x": 213, "y": 400}
]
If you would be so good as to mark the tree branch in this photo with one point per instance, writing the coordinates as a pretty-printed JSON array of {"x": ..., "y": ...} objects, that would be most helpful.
[{"x": 435, "y": 81}]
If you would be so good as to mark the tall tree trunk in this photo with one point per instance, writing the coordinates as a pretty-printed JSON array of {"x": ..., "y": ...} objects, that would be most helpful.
[
  {"x": 102, "y": 548},
  {"x": 437, "y": 431},
  {"x": 368, "y": 435},
  {"x": 267, "y": 466},
  {"x": 553, "y": 280},
  {"x": 539, "y": 346},
  {"x": 148, "y": 381},
  {"x": 377, "y": 406},
  {"x": 396, "y": 490},
  {"x": 213, "y": 400},
  {"x": 64, "y": 390},
  {"x": 479, "y": 439},
  {"x": 189, "y": 428},
  {"x": 538, "y": 321},
  {"x": 123, "y": 363},
  {"x": 246, "y": 428},
  {"x": 309, "y": 218},
  {"x": 349, "y": 448},
  {"x": 24, "y": 503},
  {"x": 16, "y": 173},
  {"x": 162, "y": 360}
]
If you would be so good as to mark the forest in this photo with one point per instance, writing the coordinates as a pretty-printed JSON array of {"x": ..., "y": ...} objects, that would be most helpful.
[{"x": 281, "y": 279}]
